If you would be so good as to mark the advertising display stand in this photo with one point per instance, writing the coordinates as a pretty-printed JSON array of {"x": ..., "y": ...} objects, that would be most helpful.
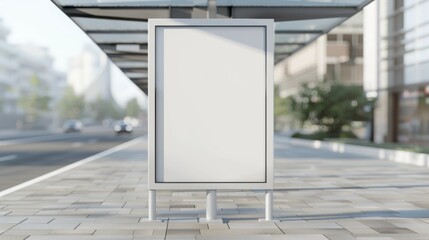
[{"x": 210, "y": 108}]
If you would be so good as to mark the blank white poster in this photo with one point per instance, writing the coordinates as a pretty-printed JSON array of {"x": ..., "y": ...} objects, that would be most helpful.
[{"x": 210, "y": 104}]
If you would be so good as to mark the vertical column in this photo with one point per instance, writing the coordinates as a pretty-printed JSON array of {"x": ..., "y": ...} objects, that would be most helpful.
[
  {"x": 269, "y": 205},
  {"x": 211, "y": 9},
  {"x": 152, "y": 205},
  {"x": 211, "y": 208}
]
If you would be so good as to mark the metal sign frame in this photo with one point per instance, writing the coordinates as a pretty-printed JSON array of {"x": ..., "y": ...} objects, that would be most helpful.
[{"x": 269, "y": 64}]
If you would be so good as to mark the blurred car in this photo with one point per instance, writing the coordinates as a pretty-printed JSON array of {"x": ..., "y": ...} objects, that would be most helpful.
[
  {"x": 123, "y": 127},
  {"x": 72, "y": 126}
]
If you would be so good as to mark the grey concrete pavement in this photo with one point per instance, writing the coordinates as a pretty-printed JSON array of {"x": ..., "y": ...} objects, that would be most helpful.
[{"x": 318, "y": 195}]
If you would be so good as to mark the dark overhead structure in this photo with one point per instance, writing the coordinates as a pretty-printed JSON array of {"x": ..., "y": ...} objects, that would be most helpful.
[{"x": 119, "y": 27}]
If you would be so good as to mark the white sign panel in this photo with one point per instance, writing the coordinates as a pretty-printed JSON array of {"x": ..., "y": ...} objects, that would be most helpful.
[{"x": 210, "y": 98}]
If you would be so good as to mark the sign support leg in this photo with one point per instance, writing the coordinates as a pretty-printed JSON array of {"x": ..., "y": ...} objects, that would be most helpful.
[
  {"x": 152, "y": 205},
  {"x": 211, "y": 208},
  {"x": 269, "y": 205}
]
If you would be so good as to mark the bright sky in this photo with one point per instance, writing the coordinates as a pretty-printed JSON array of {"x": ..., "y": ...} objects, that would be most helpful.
[{"x": 41, "y": 23}]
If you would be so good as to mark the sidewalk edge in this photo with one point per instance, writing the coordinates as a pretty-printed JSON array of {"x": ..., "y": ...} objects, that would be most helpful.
[{"x": 399, "y": 156}]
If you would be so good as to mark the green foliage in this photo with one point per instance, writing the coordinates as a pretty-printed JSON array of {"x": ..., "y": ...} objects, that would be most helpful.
[
  {"x": 4, "y": 88},
  {"x": 281, "y": 109},
  {"x": 348, "y": 134},
  {"x": 34, "y": 101},
  {"x": 311, "y": 136},
  {"x": 101, "y": 109},
  {"x": 71, "y": 105},
  {"x": 331, "y": 106},
  {"x": 280, "y": 104},
  {"x": 320, "y": 135},
  {"x": 132, "y": 108}
]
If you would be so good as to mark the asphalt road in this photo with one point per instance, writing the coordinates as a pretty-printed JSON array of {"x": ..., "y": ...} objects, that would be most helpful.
[{"x": 23, "y": 158}]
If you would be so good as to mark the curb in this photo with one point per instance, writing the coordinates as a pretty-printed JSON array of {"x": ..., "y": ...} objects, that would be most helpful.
[{"x": 399, "y": 156}]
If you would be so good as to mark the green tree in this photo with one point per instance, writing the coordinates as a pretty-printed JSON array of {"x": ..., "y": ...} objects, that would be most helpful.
[
  {"x": 331, "y": 106},
  {"x": 102, "y": 109},
  {"x": 132, "y": 108},
  {"x": 280, "y": 104},
  {"x": 71, "y": 105},
  {"x": 281, "y": 109},
  {"x": 34, "y": 101},
  {"x": 3, "y": 89}
]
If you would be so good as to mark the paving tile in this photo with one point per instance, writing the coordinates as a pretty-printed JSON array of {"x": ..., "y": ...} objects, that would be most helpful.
[
  {"x": 182, "y": 232},
  {"x": 67, "y": 237},
  {"x": 218, "y": 226},
  {"x": 306, "y": 237},
  {"x": 44, "y": 226},
  {"x": 6, "y": 226},
  {"x": 187, "y": 225},
  {"x": 339, "y": 236},
  {"x": 221, "y": 232},
  {"x": 113, "y": 232},
  {"x": 143, "y": 232},
  {"x": 242, "y": 237},
  {"x": 252, "y": 225},
  {"x": 36, "y": 219},
  {"x": 32, "y": 232},
  {"x": 393, "y": 230},
  {"x": 72, "y": 232},
  {"x": 14, "y": 237},
  {"x": 11, "y": 219},
  {"x": 318, "y": 196},
  {"x": 147, "y": 238}
]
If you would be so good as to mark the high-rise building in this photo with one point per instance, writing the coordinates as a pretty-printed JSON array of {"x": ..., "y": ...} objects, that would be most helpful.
[
  {"x": 36, "y": 61},
  {"x": 89, "y": 75},
  {"x": 18, "y": 65},
  {"x": 397, "y": 54},
  {"x": 8, "y": 68}
]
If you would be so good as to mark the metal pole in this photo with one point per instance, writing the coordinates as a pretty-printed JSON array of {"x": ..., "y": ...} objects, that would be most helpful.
[
  {"x": 152, "y": 205},
  {"x": 269, "y": 205},
  {"x": 211, "y": 208}
]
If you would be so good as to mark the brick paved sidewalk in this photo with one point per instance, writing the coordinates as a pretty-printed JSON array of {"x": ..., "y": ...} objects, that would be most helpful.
[{"x": 318, "y": 195}]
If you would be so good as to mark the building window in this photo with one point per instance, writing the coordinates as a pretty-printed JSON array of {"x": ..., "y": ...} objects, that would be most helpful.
[{"x": 413, "y": 122}]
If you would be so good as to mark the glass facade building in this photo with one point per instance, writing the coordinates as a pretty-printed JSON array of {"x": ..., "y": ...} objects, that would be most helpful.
[
  {"x": 336, "y": 56},
  {"x": 402, "y": 29}
]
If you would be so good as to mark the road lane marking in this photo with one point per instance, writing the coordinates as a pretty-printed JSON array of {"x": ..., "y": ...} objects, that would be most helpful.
[
  {"x": 72, "y": 166},
  {"x": 8, "y": 158}
]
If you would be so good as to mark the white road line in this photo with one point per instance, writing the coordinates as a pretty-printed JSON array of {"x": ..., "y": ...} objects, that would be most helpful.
[
  {"x": 7, "y": 158},
  {"x": 71, "y": 166}
]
